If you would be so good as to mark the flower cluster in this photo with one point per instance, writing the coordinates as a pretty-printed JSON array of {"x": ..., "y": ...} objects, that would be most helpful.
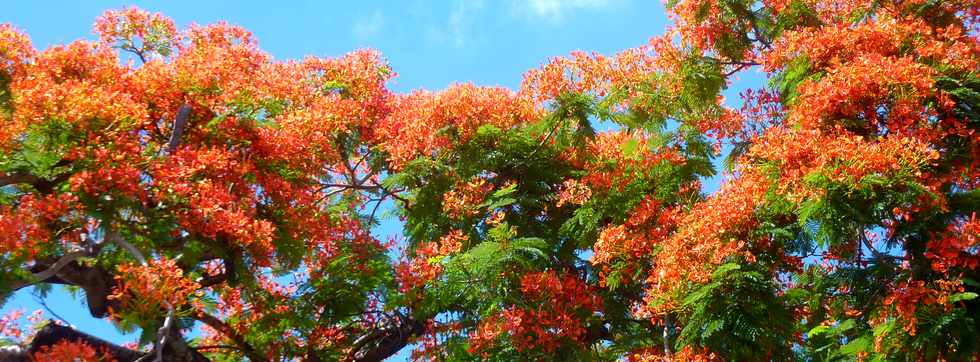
[
  {"x": 70, "y": 351},
  {"x": 573, "y": 192},
  {"x": 463, "y": 200},
  {"x": 148, "y": 290},
  {"x": 562, "y": 305}
]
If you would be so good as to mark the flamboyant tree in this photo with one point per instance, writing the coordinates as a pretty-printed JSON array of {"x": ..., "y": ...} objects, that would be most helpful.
[
  {"x": 183, "y": 179},
  {"x": 196, "y": 181}
]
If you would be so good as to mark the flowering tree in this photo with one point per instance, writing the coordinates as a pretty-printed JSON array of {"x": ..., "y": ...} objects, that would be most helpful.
[
  {"x": 183, "y": 179},
  {"x": 196, "y": 183}
]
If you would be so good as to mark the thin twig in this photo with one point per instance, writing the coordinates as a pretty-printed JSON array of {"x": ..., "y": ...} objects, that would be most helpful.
[
  {"x": 376, "y": 206},
  {"x": 44, "y": 304}
]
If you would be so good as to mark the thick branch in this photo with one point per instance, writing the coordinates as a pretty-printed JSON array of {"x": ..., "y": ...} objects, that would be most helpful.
[
  {"x": 385, "y": 342},
  {"x": 41, "y": 185},
  {"x": 180, "y": 121},
  {"x": 18, "y": 178},
  {"x": 51, "y": 271},
  {"x": 53, "y": 333},
  {"x": 211, "y": 280},
  {"x": 95, "y": 280}
]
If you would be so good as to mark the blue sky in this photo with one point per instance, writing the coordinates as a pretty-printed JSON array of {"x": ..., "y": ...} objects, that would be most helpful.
[{"x": 430, "y": 44}]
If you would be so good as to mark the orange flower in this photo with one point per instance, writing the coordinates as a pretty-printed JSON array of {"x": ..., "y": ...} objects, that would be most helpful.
[
  {"x": 68, "y": 351},
  {"x": 463, "y": 199},
  {"x": 148, "y": 290},
  {"x": 560, "y": 302},
  {"x": 421, "y": 122},
  {"x": 573, "y": 192}
]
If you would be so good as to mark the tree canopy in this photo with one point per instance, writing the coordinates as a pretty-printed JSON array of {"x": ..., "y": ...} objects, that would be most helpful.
[{"x": 182, "y": 178}]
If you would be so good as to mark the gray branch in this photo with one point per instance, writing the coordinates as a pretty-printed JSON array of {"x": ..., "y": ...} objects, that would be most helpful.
[{"x": 180, "y": 121}]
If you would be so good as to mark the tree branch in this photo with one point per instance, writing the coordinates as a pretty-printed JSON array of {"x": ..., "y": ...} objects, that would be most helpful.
[
  {"x": 385, "y": 342},
  {"x": 117, "y": 239},
  {"x": 180, "y": 121},
  {"x": 51, "y": 271},
  {"x": 17, "y": 178},
  {"x": 40, "y": 184},
  {"x": 96, "y": 281},
  {"x": 229, "y": 332},
  {"x": 53, "y": 333}
]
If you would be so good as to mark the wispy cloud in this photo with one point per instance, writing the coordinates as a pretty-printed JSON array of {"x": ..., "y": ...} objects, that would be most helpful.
[
  {"x": 461, "y": 19},
  {"x": 457, "y": 30},
  {"x": 556, "y": 9},
  {"x": 370, "y": 26}
]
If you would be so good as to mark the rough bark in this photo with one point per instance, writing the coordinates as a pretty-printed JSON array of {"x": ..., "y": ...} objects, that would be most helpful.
[
  {"x": 95, "y": 280},
  {"x": 385, "y": 342},
  {"x": 372, "y": 347},
  {"x": 53, "y": 333}
]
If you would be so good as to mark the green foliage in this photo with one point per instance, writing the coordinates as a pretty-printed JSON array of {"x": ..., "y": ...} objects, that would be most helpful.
[
  {"x": 788, "y": 80},
  {"x": 41, "y": 150},
  {"x": 844, "y": 266},
  {"x": 5, "y": 96},
  {"x": 738, "y": 314}
]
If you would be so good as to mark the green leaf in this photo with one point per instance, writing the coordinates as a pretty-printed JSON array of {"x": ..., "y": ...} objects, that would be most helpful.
[
  {"x": 962, "y": 296},
  {"x": 818, "y": 331},
  {"x": 630, "y": 147},
  {"x": 856, "y": 346},
  {"x": 501, "y": 203},
  {"x": 712, "y": 327},
  {"x": 506, "y": 191},
  {"x": 725, "y": 269}
]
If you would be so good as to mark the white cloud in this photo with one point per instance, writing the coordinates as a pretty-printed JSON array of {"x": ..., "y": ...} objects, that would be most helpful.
[
  {"x": 370, "y": 26},
  {"x": 556, "y": 9},
  {"x": 460, "y": 20},
  {"x": 458, "y": 27}
]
